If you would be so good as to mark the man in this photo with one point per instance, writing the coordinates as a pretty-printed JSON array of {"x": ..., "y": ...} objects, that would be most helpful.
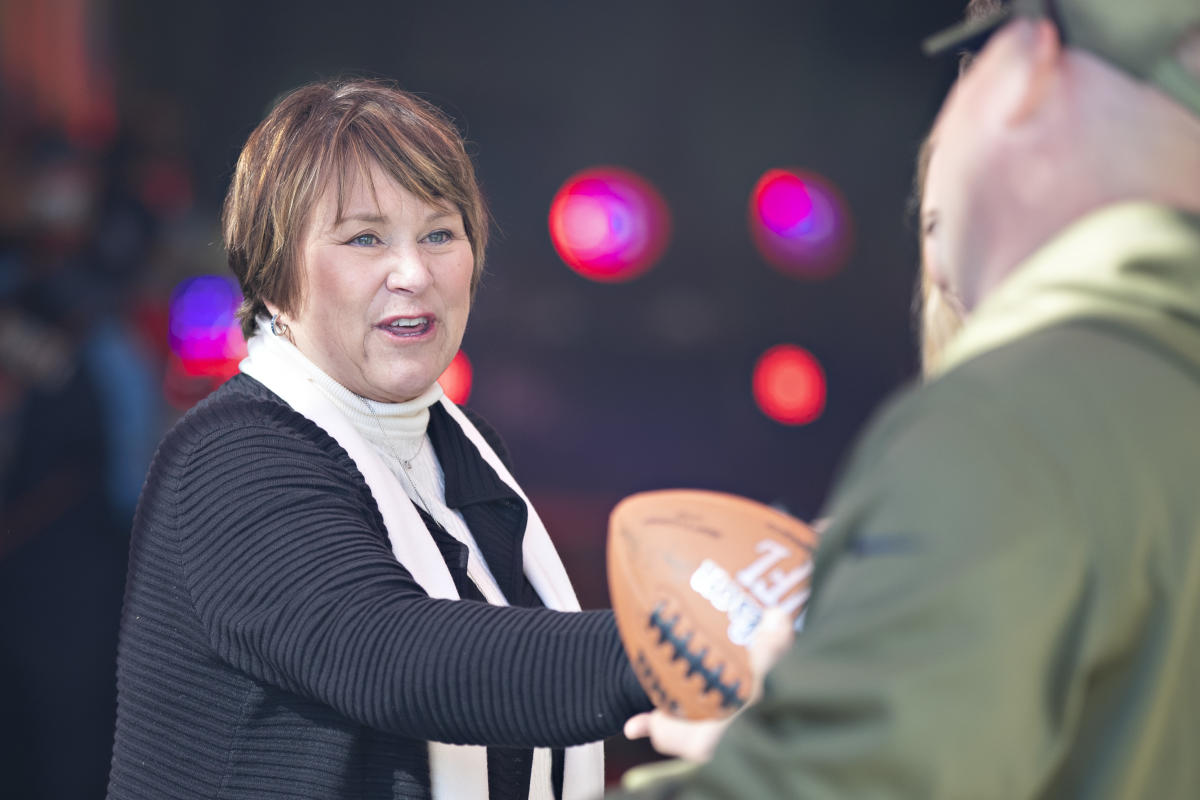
[{"x": 1007, "y": 603}]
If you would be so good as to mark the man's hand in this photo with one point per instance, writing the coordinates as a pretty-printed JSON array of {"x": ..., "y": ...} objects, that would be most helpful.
[{"x": 695, "y": 740}]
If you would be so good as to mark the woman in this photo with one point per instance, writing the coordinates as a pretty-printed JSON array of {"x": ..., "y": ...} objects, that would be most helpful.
[
  {"x": 337, "y": 589},
  {"x": 939, "y": 313}
]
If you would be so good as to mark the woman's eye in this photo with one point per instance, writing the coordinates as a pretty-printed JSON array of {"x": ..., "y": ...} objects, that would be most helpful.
[
  {"x": 365, "y": 240},
  {"x": 930, "y": 224},
  {"x": 439, "y": 237}
]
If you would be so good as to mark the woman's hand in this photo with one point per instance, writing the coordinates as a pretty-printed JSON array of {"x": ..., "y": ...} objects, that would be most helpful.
[{"x": 694, "y": 740}]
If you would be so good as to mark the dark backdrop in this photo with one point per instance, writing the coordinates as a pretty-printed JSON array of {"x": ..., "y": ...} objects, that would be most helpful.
[{"x": 602, "y": 390}]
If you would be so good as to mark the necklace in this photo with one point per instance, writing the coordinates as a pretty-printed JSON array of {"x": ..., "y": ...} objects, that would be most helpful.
[{"x": 406, "y": 464}]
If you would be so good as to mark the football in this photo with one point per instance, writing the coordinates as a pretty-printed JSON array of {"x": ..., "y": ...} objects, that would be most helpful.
[{"x": 690, "y": 573}]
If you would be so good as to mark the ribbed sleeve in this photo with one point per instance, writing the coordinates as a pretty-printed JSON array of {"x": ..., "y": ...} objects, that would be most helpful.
[{"x": 268, "y": 627}]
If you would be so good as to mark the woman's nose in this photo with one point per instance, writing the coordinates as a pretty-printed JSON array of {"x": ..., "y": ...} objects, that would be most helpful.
[{"x": 407, "y": 271}]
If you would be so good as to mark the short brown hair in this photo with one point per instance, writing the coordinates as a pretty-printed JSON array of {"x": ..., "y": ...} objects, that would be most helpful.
[{"x": 313, "y": 134}]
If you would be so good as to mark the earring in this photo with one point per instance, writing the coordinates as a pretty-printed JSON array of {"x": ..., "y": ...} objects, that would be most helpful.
[{"x": 277, "y": 328}]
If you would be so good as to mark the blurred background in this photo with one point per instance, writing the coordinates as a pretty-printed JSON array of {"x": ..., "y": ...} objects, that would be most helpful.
[{"x": 701, "y": 275}]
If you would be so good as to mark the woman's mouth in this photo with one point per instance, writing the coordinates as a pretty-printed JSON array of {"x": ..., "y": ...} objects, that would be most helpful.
[{"x": 408, "y": 327}]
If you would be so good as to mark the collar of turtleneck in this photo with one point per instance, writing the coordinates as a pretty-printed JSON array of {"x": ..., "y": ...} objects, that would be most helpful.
[{"x": 392, "y": 428}]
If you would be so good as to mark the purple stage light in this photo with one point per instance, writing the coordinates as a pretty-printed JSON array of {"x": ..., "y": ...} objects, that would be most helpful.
[
  {"x": 800, "y": 223},
  {"x": 203, "y": 330}
]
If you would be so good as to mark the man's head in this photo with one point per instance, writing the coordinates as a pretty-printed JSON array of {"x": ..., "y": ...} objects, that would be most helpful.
[{"x": 1061, "y": 114}]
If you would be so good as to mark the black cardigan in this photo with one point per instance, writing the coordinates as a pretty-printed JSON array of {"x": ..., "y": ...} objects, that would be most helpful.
[{"x": 271, "y": 645}]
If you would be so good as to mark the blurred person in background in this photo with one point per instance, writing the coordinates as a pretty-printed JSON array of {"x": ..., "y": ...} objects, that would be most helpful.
[
  {"x": 939, "y": 314},
  {"x": 1006, "y": 602},
  {"x": 78, "y": 410},
  {"x": 337, "y": 588}
]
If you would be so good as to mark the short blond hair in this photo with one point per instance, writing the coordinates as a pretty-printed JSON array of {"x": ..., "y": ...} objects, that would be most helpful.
[{"x": 325, "y": 131}]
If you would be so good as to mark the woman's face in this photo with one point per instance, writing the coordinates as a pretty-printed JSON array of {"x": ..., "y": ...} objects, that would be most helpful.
[
  {"x": 941, "y": 314},
  {"x": 387, "y": 289}
]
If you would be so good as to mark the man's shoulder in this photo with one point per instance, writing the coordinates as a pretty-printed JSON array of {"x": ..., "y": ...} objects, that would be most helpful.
[
  {"x": 979, "y": 460},
  {"x": 1065, "y": 406},
  {"x": 1047, "y": 378}
]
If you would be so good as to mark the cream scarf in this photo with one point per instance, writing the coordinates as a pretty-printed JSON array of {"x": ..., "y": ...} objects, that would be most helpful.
[{"x": 456, "y": 771}]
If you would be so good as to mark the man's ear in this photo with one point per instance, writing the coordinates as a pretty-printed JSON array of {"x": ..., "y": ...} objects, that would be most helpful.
[{"x": 1042, "y": 52}]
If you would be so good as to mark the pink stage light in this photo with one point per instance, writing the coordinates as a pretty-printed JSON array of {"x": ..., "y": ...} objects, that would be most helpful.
[
  {"x": 609, "y": 224},
  {"x": 789, "y": 385},
  {"x": 800, "y": 223}
]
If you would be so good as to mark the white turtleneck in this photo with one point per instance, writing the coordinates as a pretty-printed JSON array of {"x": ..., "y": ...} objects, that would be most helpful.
[{"x": 398, "y": 432}]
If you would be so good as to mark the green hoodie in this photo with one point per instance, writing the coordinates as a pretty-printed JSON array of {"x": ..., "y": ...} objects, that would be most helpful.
[{"x": 1007, "y": 604}]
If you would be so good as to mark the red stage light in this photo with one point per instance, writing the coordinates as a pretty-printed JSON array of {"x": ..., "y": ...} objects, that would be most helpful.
[
  {"x": 799, "y": 223},
  {"x": 789, "y": 385},
  {"x": 456, "y": 380},
  {"x": 609, "y": 224}
]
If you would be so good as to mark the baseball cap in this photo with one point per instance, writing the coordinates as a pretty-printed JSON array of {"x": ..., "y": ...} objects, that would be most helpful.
[{"x": 1141, "y": 37}]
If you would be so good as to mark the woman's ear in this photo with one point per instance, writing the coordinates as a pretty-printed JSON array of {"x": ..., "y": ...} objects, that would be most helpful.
[{"x": 1041, "y": 50}]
